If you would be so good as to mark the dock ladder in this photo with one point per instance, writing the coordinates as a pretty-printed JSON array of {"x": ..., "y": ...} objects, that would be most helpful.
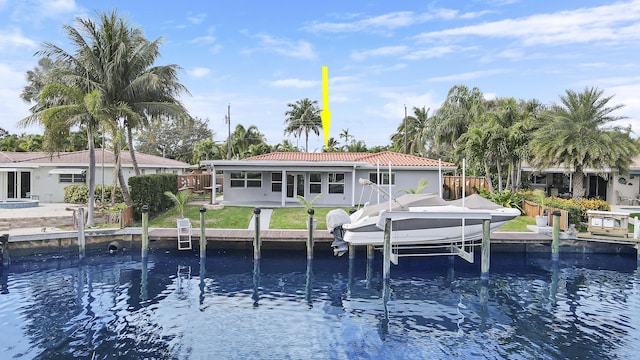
[{"x": 184, "y": 234}]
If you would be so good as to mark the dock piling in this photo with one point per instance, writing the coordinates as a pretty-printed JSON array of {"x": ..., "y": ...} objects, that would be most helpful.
[
  {"x": 203, "y": 234},
  {"x": 352, "y": 251},
  {"x": 81, "y": 237},
  {"x": 145, "y": 232},
  {"x": 370, "y": 252},
  {"x": 257, "y": 243},
  {"x": 310, "y": 234},
  {"x": 4, "y": 242},
  {"x": 486, "y": 249},
  {"x": 555, "y": 242},
  {"x": 386, "y": 257}
]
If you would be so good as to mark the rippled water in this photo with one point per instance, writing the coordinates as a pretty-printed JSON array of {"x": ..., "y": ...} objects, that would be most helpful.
[{"x": 171, "y": 307}]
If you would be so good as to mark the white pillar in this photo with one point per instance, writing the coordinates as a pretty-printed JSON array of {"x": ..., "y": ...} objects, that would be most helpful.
[
  {"x": 283, "y": 197},
  {"x": 353, "y": 186},
  {"x": 213, "y": 185}
]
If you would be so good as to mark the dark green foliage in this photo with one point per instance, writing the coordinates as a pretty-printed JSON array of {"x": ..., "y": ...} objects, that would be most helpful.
[
  {"x": 149, "y": 190},
  {"x": 78, "y": 194},
  {"x": 505, "y": 198}
]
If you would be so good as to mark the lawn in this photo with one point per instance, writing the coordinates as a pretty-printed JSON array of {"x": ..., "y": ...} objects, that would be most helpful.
[{"x": 238, "y": 217}]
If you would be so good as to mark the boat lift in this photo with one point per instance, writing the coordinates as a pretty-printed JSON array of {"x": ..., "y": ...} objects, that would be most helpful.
[{"x": 461, "y": 247}]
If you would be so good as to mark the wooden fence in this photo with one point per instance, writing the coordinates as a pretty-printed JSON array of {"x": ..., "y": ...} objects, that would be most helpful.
[
  {"x": 195, "y": 182},
  {"x": 126, "y": 217},
  {"x": 533, "y": 209},
  {"x": 452, "y": 186}
]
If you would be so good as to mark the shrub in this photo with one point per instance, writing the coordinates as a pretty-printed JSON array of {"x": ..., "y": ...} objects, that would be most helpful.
[
  {"x": 149, "y": 190},
  {"x": 79, "y": 194},
  {"x": 505, "y": 198}
]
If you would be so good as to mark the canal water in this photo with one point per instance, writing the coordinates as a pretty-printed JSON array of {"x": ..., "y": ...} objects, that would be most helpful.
[{"x": 284, "y": 307}]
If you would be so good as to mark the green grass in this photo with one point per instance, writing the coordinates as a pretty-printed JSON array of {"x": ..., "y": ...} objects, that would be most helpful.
[
  {"x": 230, "y": 217},
  {"x": 518, "y": 224},
  {"x": 238, "y": 217},
  {"x": 296, "y": 218}
]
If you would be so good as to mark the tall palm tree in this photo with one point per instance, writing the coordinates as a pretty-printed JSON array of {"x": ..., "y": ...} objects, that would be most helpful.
[
  {"x": 242, "y": 139},
  {"x": 579, "y": 134},
  {"x": 417, "y": 132},
  {"x": 344, "y": 134},
  {"x": 114, "y": 59},
  {"x": 303, "y": 116},
  {"x": 458, "y": 112}
]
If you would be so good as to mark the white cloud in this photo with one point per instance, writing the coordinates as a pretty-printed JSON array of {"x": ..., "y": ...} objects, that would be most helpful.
[
  {"x": 196, "y": 18},
  {"x": 295, "y": 83},
  {"x": 389, "y": 21},
  {"x": 199, "y": 72},
  {"x": 207, "y": 39},
  {"x": 429, "y": 53},
  {"x": 609, "y": 23},
  {"x": 13, "y": 108},
  {"x": 393, "y": 109},
  {"x": 381, "y": 51},
  {"x": 467, "y": 76},
  {"x": 14, "y": 38},
  {"x": 297, "y": 49}
]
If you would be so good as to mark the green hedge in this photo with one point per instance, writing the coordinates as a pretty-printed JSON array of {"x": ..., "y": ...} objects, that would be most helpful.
[
  {"x": 79, "y": 194},
  {"x": 149, "y": 190}
]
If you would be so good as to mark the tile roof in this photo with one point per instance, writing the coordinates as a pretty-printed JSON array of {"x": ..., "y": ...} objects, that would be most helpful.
[
  {"x": 384, "y": 158},
  {"x": 82, "y": 158}
]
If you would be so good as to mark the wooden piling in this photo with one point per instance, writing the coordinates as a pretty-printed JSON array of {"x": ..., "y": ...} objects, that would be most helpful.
[
  {"x": 386, "y": 251},
  {"x": 310, "y": 234},
  {"x": 352, "y": 251},
  {"x": 370, "y": 252},
  {"x": 145, "y": 232},
  {"x": 486, "y": 249},
  {"x": 81, "y": 237},
  {"x": 203, "y": 233},
  {"x": 555, "y": 242},
  {"x": 4, "y": 241},
  {"x": 257, "y": 243}
]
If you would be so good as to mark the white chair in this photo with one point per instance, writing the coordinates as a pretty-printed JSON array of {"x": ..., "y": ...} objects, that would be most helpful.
[{"x": 621, "y": 198}]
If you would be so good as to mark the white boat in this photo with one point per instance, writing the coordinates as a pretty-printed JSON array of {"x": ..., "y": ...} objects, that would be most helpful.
[{"x": 444, "y": 224}]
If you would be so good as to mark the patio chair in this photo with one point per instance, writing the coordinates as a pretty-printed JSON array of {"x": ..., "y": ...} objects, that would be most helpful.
[{"x": 621, "y": 198}]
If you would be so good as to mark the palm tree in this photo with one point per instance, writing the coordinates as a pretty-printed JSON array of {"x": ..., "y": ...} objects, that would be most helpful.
[
  {"x": 114, "y": 59},
  {"x": 242, "y": 139},
  {"x": 417, "y": 133},
  {"x": 578, "y": 134},
  {"x": 346, "y": 136},
  {"x": 303, "y": 116}
]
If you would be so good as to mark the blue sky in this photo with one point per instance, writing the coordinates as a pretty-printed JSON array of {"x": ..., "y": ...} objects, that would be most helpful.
[{"x": 382, "y": 55}]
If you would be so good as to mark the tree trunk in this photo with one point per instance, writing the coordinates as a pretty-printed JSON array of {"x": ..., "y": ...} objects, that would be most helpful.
[
  {"x": 92, "y": 177},
  {"x": 132, "y": 150},
  {"x": 499, "y": 176},
  {"x": 487, "y": 175},
  {"x": 578, "y": 183}
]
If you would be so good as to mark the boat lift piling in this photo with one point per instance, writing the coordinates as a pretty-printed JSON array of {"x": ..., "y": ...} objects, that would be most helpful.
[
  {"x": 203, "y": 234},
  {"x": 144, "y": 251},
  {"x": 81, "y": 237},
  {"x": 257, "y": 243},
  {"x": 386, "y": 251},
  {"x": 555, "y": 242},
  {"x": 485, "y": 250},
  {"x": 310, "y": 234}
]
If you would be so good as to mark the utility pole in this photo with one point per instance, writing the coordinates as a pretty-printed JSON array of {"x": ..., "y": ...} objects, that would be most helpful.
[
  {"x": 405, "y": 130},
  {"x": 227, "y": 120}
]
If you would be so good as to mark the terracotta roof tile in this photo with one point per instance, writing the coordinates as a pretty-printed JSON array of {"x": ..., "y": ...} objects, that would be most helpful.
[
  {"x": 82, "y": 158},
  {"x": 384, "y": 158}
]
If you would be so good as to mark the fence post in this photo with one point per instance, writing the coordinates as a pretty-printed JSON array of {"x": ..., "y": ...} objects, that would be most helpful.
[
  {"x": 145, "y": 231},
  {"x": 203, "y": 234}
]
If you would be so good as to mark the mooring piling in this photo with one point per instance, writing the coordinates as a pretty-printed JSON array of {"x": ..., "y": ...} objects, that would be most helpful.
[
  {"x": 81, "y": 237},
  {"x": 144, "y": 251},
  {"x": 555, "y": 241},
  {"x": 352, "y": 251},
  {"x": 257, "y": 243},
  {"x": 386, "y": 251},
  {"x": 203, "y": 233},
  {"x": 4, "y": 242},
  {"x": 485, "y": 249},
  {"x": 310, "y": 234},
  {"x": 370, "y": 252}
]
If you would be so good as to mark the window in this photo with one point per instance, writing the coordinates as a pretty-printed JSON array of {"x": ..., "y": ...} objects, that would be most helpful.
[
  {"x": 384, "y": 178},
  {"x": 276, "y": 182},
  {"x": 72, "y": 178},
  {"x": 336, "y": 183},
  {"x": 315, "y": 183},
  {"x": 246, "y": 179}
]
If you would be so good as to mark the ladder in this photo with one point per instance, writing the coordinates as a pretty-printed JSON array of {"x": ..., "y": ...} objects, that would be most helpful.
[{"x": 184, "y": 234}]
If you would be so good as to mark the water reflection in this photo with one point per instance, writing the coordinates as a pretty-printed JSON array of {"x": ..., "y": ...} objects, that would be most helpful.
[{"x": 584, "y": 307}]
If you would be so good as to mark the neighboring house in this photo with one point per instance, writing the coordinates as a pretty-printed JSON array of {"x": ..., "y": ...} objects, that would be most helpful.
[
  {"x": 277, "y": 178},
  {"x": 44, "y": 176},
  {"x": 607, "y": 184}
]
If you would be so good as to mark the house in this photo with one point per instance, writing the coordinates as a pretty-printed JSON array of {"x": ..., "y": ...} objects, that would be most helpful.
[
  {"x": 608, "y": 184},
  {"x": 277, "y": 178},
  {"x": 43, "y": 176}
]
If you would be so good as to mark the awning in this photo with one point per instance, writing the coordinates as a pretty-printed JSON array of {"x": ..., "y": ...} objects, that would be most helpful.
[
  {"x": 67, "y": 171},
  {"x": 9, "y": 169},
  {"x": 635, "y": 172}
]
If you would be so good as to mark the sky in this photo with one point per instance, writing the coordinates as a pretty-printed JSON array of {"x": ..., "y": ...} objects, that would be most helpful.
[{"x": 258, "y": 56}]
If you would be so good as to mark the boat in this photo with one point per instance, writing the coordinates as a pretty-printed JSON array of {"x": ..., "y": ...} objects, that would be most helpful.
[{"x": 445, "y": 223}]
